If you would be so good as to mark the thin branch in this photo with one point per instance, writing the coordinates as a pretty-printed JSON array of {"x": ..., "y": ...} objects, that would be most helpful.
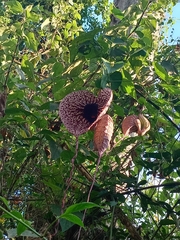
[
  {"x": 173, "y": 184},
  {"x": 84, "y": 172},
  {"x": 140, "y": 19},
  {"x": 92, "y": 75},
  {"x": 167, "y": 237}
]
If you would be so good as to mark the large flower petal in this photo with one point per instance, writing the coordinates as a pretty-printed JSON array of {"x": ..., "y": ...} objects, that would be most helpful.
[{"x": 80, "y": 110}]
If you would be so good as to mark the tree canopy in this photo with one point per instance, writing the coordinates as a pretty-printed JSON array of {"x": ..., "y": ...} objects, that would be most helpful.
[{"x": 109, "y": 178}]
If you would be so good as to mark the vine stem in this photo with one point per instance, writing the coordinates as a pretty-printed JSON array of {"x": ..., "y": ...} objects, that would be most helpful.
[
  {"x": 22, "y": 222},
  {"x": 89, "y": 193},
  {"x": 71, "y": 175},
  {"x": 140, "y": 19}
]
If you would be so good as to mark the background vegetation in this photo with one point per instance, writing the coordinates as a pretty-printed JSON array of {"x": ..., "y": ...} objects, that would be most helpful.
[{"x": 51, "y": 48}]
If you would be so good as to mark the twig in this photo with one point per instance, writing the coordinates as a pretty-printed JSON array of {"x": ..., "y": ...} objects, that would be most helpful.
[
  {"x": 92, "y": 75},
  {"x": 167, "y": 237},
  {"x": 173, "y": 184},
  {"x": 84, "y": 172},
  {"x": 139, "y": 21}
]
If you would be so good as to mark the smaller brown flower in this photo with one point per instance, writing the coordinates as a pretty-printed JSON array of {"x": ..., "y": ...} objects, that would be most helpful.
[{"x": 133, "y": 123}]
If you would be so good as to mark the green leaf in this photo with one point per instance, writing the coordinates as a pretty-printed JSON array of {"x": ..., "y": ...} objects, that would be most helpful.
[
  {"x": 20, "y": 154},
  {"x": 74, "y": 69},
  {"x": 169, "y": 66},
  {"x": 160, "y": 71},
  {"x": 80, "y": 207},
  {"x": 115, "y": 39},
  {"x": 17, "y": 214},
  {"x": 67, "y": 155},
  {"x": 144, "y": 3},
  {"x": 176, "y": 155},
  {"x": 115, "y": 80},
  {"x": 55, "y": 209},
  {"x": 19, "y": 111},
  {"x": 1, "y": 235},
  {"x": 129, "y": 87},
  {"x": 120, "y": 197},
  {"x": 117, "y": 66},
  {"x": 139, "y": 53},
  {"x": 41, "y": 123},
  {"x": 144, "y": 203},
  {"x": 163, "y": 155},
  {"x": 104, "y": 80},
  {"x": 172, "y": 89},
  {"x": 4, "y": 201},
  {"x": 12, "y": 233},
  {"x": 166, "y": 222},
  {"x": 45, "y": 23},
  {"x": 57, "y": 69},
  {"x": 31, "y": 40},
  {"x": 142, "y": 182},
  {"x": 127, "y": 84},
  {"x": 20, "y": 228},
  {"x": 111, "y": 67},
  {"x": 117, "y": 12},
  {"x": 72, "y": 218},
  {"x": 55, "y": 150},
  {"x": 15, "y": 7},
  {"x": 65, "y": 224},
  {"x": 27, "y": 67},
  {"x": 119, "y": 110}
]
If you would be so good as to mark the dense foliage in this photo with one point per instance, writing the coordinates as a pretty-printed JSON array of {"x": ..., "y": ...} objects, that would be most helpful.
[{"x": 44, "y": 55}]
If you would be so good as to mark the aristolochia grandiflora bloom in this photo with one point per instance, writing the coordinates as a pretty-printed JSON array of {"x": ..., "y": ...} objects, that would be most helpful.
[
  {"x": 133, "y": 123},
  {"x": 80, "y": 110}
]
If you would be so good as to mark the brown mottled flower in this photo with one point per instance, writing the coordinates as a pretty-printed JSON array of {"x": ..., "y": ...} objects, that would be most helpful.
[
  {"x": 103, "y": 133},
  {"x": 138, "y": 124},
  {"x": 80, "y": 110}
]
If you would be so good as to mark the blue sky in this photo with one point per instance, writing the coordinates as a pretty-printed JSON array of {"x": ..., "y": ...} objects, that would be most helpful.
[{"x": 176, "y": 18}]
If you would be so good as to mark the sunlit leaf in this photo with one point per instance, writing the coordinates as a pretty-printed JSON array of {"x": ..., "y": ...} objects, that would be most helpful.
[
  {"x": 15, "y": 7},
  {"x": 80, "y": 207},
  {"x": 160, "y": 71}
]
